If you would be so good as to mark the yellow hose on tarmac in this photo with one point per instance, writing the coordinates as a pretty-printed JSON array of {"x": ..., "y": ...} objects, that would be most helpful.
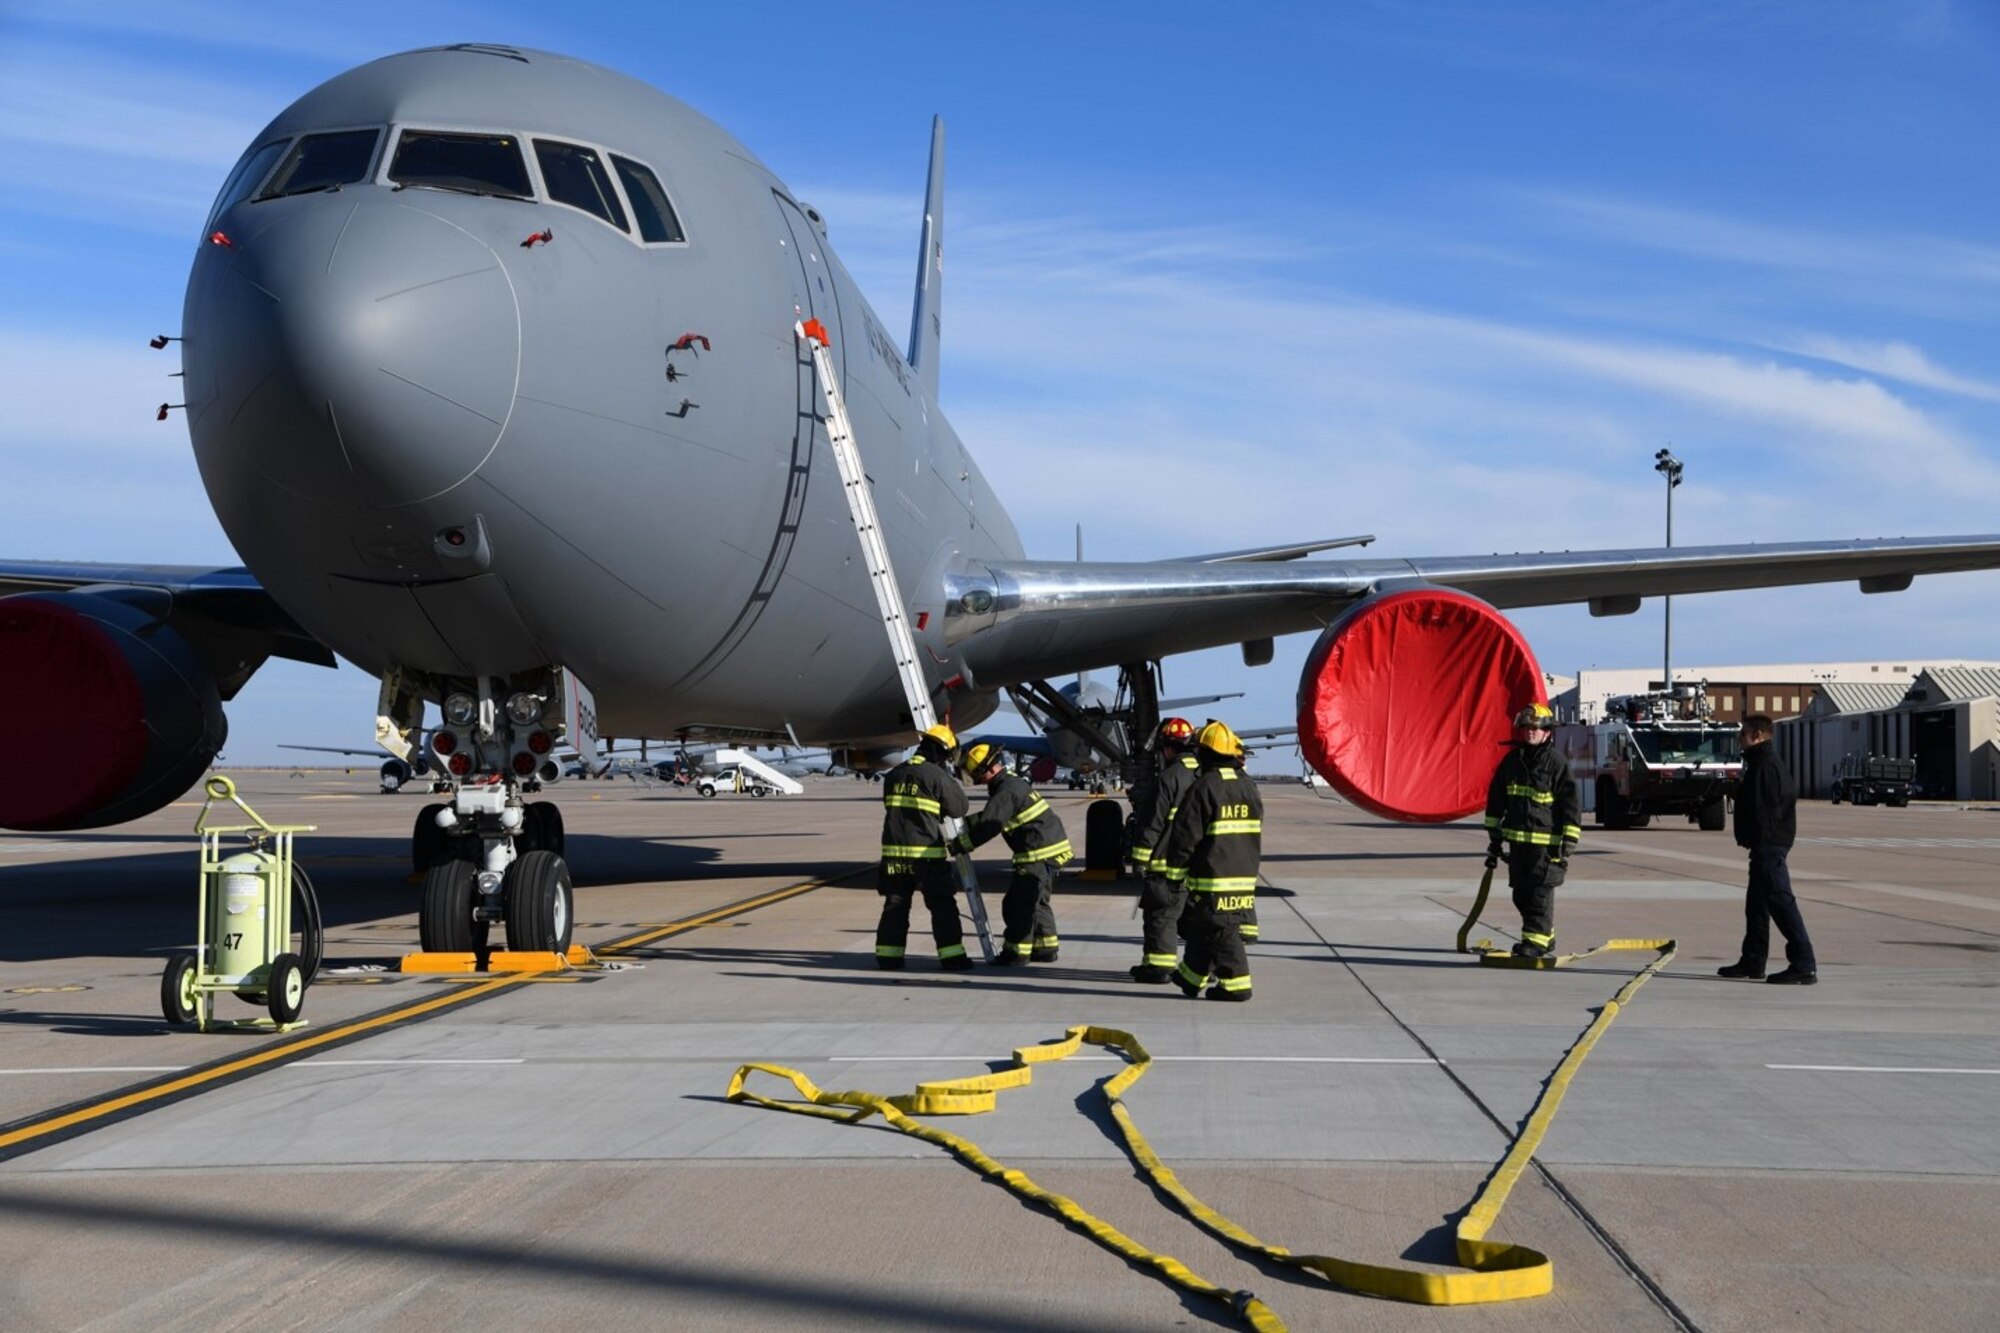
[{"x": 1494, "y": 1271}]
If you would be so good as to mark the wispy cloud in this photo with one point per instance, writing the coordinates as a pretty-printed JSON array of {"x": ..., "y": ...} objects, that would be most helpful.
[
  {"x": 1897, "y": 361},
  {"x": 1707, "y": 235}
]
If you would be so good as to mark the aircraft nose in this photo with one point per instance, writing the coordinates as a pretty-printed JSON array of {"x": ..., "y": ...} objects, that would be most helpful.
[{"x": 360, "y": 352}]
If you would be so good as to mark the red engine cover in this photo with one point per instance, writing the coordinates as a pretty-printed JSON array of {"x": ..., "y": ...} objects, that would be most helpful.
[
  {"x": 1042, "y": 770},
  {"x": 1408, "y": 699},
  {"x": 114, "y": 711}
]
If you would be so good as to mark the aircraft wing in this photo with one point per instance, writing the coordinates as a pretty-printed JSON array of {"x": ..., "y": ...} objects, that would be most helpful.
[
  {"x": 200, "y": 600},
  {"x": 1027, "y": 620}
]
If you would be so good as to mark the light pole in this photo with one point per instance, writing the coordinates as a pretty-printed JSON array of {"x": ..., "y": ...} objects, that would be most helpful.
[{"x": 1669, "y": 467}]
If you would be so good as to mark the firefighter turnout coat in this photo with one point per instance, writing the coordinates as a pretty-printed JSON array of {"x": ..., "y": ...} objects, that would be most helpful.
[
  {"x": 1532, "y": 805},
  {"x": 917, "y": 796},
  {"x": 1169, "y": 789},
  {"x": 1015, "y": 811}
]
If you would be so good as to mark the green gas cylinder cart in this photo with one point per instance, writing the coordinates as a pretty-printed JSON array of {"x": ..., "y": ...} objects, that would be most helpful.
[{"x": 244, "y": 923}]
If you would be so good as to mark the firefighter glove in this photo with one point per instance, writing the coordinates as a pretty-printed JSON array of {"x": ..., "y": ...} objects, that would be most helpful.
[
  {"x": 961, "y": 845},
  {"x": 1492, "y": 859}
]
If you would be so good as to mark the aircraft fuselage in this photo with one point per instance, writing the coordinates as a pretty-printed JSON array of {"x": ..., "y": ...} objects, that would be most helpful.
[{"x": 472, "y": 434}]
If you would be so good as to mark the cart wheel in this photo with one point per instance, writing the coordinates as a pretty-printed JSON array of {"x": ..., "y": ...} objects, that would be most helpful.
[
  {"x": 178, "y": 1000},
  {"x": 287, "y": 988},
  {"x": 538, "y": 893},
  {"x": 444, "y": 924}
]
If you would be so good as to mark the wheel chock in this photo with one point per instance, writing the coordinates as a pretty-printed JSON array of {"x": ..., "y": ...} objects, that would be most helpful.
[
  {"x": 439, "y": 962},
  {"x": 499, "y": 960},
  {"x": 503, "y": 960}
]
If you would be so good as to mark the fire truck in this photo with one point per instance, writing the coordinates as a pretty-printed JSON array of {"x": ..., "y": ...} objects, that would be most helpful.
[{"x": 1660, "y": 753}]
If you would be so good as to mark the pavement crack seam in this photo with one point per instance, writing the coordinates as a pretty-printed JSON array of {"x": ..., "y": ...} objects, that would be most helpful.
[{"x": 1572, "y": 1059}]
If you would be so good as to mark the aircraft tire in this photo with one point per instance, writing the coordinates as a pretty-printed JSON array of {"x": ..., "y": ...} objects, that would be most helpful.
[
  {"x": 287, "y": 988},
  {"x": 429, "y": 844},
  {"x": 1612, "y": 811},
  {"x": 444, "y": 923},
  {"x": 542, "y": 829},
  {"x": 539, "y": 900},
  {"x": 178, "y": 1000}
]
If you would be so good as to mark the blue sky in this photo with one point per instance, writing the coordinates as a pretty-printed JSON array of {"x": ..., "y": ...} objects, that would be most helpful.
[{"x": 1447, "y": 272}]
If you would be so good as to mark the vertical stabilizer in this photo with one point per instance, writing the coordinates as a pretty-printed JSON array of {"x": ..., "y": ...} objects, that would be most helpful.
[{"x": 924, "y": 310}]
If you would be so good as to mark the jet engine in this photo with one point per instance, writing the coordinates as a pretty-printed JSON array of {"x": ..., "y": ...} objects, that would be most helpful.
[
  {"x": 114, "y": 706},
  {"x": 1407, "y": 701}
]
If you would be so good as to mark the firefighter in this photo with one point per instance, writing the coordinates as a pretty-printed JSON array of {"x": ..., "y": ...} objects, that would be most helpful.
[
  {"x": 1161, "y": 900},
  {"x": 1034, "y": 833},
  {"x": 1213, "y": 848},
  {"x": 1532, "y": 808},
  {"x": 917, "y": 796}
]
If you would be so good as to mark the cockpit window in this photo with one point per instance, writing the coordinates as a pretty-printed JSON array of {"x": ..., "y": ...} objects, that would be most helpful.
[
  {"x": 472, "y": 163},
  {"x": 576, "y": 177},
  {"x": 650, "y": 205},
  {"x": 324, "y": 162},
  {"x": 249, "y": 174}
]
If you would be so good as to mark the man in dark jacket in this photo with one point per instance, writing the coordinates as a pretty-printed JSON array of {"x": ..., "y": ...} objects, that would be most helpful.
[
  {"x": 1215, "y": 847},
  {"x": 1767, "y": 822},
  {"x": 1532, "y": 807},
  {"x": 1034, "y": 833},
  {"x": 918, "y": 795}
]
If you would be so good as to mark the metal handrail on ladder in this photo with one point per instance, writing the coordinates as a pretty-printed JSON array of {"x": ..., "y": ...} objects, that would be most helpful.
[{"x": 888, "y": 594}]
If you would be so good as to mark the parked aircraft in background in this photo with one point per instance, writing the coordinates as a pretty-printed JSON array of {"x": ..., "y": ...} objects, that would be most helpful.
[
  {"x": 462, "y": 319},
  {"x": 1084, "y": 728}
]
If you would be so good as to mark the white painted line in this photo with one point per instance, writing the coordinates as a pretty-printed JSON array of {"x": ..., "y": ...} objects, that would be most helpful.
[
  {"x": 1880, "y": 1069},
  {"x": 349, "y": 1064},
  {"x": 1164, "y": 1059},
  {"x": 103, "y": 1069}
]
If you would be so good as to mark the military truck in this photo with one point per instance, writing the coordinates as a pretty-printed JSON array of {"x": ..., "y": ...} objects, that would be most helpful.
[
  {"x": 1873, "y": 779},
  {"x": 1658, "y": 753}
]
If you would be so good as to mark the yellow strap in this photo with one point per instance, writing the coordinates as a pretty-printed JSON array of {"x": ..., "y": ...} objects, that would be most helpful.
[
  {"x": 971, "y": 1095},
  {"x": 1495, "y": 1271}
]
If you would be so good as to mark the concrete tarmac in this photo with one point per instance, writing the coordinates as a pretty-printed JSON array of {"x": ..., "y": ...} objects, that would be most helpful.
[{"x": 559, "y": 1153}]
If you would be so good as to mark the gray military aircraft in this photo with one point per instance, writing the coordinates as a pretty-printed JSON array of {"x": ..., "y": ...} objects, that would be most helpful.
[{"x": 464, "y": 321}]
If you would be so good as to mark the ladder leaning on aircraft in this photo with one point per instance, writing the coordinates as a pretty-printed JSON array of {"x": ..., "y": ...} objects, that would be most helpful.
[{"x": 888, "y": 596}]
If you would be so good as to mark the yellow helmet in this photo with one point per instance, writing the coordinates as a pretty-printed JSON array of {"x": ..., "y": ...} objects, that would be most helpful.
[
  {"x": 977, "y": 756},
  {"x": 943, "y": 735},
  {"x": 1536, "y": 717},
  {"x": 1218, "y": 737}
]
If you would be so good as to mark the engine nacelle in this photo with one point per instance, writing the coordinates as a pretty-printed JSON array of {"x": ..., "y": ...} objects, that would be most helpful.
[
  {"x": 1408, "y": 699},
  {"x": 115, "y": 711}
]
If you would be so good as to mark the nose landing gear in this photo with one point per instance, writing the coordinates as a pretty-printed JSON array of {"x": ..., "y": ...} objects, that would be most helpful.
[{"x": 487, "y": 857}]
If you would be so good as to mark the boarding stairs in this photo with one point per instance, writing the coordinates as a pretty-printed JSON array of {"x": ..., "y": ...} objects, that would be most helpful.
[
  {"x": 882, "y": 576},
  {"x": 746, "y": 762}
]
